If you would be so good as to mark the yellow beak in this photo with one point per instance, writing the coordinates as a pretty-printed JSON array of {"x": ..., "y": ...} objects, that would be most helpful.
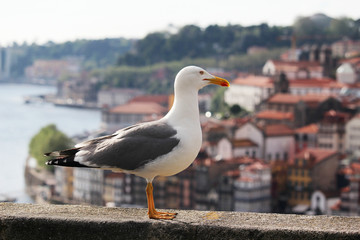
[{"x": 218, "y": 81}]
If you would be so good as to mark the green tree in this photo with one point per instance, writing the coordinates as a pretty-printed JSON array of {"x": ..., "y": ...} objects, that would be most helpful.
[
  {"x": 342, "y": 27},
  {"x": 48, "y": 139},
  {"x": 218, "y": 104},
  {"x": 235, "y": 109}
]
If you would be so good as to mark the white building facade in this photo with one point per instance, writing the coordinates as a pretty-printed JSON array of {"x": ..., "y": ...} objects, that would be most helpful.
[{"x": 249, "y": 91}]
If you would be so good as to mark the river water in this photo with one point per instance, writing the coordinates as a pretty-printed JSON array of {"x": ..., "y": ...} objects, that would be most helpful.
[{"x": 19, "y": 122}]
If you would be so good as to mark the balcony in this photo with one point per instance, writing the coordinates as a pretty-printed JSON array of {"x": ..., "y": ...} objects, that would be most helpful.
[{"x": 26, "y": 221}]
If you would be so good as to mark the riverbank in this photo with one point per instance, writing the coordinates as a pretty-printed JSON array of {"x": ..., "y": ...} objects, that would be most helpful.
[{"x": 20, "y": 122}]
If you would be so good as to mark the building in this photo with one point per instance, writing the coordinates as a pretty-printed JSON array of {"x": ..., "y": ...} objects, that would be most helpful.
[
  {"x": 113, "y": 189},
  {"x": 77, "y": 90},
  {"x": 116, "y": 96},
  {"x": 279, "y": 171},
  {"x": 269, "y": 117},
  {"x": 228, "y": 149},
  {"x": 331, "y": 133},
  {"x": 349, "y": 71},
  {"x": 310, "y": 170},
  {"x": 163, "y": 100},
  {"x": 131, "y": 113},
  {"x": 345, "y": 47},
  {"x": 252, "y": 190},
  {"x": 89, "y": 186},
  {"x": 205, "y": 178},
  {"x": 312, "y": 86},
  {"x": 293, "y": 69},
  {"x": 249, "y": 91},
  {"x": 353, "y": 191},
  {"x": 349, "y": 202},
  {"x": 352, "y": 136},
  {"x": 48, "y": 71},
  {"x": 226, "y": 190},
  {"x": 64, "y": 187},
  {"x": 306, "y": 109},
  {"x": 306, "y": 137},
  {"x": 269, "y": 142}
]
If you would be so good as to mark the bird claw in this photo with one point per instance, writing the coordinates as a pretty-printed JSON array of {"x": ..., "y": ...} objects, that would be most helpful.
[
  {"x": 166, "y": 213},
  {"x": 162, "y": 215}
]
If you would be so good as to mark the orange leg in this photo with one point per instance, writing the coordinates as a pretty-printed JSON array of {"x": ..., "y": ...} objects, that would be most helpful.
[{"x": 151, "y": 206}]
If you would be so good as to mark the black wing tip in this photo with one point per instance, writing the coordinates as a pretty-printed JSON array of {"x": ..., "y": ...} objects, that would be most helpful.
[
  {"x": 54, "y": 162},
  {"x": 67, "y": 162}
]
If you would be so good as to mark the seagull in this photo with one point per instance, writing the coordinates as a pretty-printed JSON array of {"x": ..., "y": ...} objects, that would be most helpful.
[{"x": 163, "y": 147}]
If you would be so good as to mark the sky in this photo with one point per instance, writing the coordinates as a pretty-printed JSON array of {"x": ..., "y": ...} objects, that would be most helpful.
[{"x": 41, "y": 21}]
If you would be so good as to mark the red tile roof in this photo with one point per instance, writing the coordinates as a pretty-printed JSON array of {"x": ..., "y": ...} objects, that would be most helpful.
[
  {"x": 231, "y": 122},
  {"x": 277, "y": 130},
  {"x": 160, "y": 99},
  {"x": 333, "y": 116},
  {"x": 275, "y": 115},
  {"x": 252, "y": 80},
  {"x": 296, "y": 65},
  {"x": 355, "y": 60},
  {"x": 238, "y": 143},
  {"x": 314, "y": 82},
  {"x": 256, "y": 166},
  {"x": 313, "y": 156},
  {"x": 285, "y": 98},
  {"x": 139, "y": 108},
  {"x": 309, "y": 129}
]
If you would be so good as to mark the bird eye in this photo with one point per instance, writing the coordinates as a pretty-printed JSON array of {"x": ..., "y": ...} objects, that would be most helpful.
[{"x": 201, "y": 72}]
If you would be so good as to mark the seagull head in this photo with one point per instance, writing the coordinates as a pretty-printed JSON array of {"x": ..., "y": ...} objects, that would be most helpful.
[{"x": 196, "y": 77}]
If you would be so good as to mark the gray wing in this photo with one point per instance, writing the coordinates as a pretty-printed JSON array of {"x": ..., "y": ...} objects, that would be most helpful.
[{"x": 129, "y": 148}]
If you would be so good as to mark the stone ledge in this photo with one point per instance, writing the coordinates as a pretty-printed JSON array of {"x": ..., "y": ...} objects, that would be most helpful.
[{"x": 28, "y": 221}]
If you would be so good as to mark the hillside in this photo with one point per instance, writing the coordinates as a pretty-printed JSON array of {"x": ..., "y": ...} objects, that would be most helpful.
[{"x": 95, "y": 53}]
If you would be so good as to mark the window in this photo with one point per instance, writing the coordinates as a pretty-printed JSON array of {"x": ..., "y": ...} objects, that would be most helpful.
[{"x": 305, "y": 137}]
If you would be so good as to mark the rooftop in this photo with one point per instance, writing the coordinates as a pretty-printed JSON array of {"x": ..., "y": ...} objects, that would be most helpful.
[
  {"x": 309, "y": 129},
  {"x": 296, "y": 65},
  {"x": 315, "y": 82},
  {"x": 159, "y": 99},
  {"x": 275, "y": 115},
  {"x": 238, "y": 143},
  {"x": 139, "y": 108},
  {"x": 277, "y": 130},
  {"x": 253, "y": 80},
  {"x": 285, "y": 98},
  {"x": 315, "y": 155}
]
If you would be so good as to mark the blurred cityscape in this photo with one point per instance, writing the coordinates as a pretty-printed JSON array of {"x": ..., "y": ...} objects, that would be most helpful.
[{"x": 284, "y": 138}]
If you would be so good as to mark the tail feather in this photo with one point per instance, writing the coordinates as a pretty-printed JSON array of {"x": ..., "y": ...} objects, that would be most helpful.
[
  {"x": 64, "y": 158},
  {"x": 66, "y": 162},
  {"x": 67, "y": 152}
]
